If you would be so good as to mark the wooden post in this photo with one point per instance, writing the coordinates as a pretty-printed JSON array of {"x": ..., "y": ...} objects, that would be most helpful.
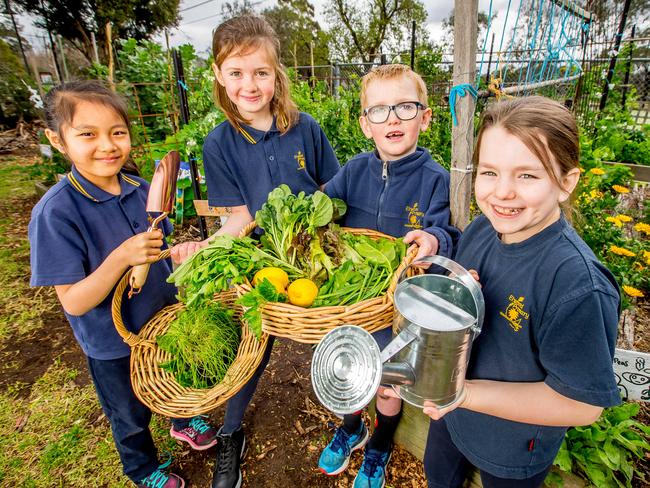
[
  {"x": 94, "y": 43},
  {"x": 109, "y": 48},
  {"x": 462, "y": 135}
]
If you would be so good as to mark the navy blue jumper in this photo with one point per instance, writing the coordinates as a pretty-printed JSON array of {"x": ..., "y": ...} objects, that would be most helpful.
[
  {"x": 242, "y": 166},
  {"x": 73, "y": 229},
  {"x": 551, "y": 315},
  {"x": 396, "y": 197}
]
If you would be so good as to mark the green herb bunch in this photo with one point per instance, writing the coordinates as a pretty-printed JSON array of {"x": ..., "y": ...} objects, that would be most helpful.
[
  {"x": 604, "y": 451},
  {"x": 203, "y": 342}
]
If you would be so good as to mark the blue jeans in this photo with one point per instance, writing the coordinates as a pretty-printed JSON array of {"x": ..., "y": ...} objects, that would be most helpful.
[
  {"x": 446, "y": 467},
  {"x": 238, "y": 404},
  {"x": 128, "y": 417}
]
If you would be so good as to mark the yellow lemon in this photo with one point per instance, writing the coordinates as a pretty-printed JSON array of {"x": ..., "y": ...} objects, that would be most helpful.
[
  {"x": 276, "y": 276},
  {"x": 302, "y": 292}
]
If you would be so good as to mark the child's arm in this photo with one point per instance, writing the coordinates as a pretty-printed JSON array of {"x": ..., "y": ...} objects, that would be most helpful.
[
  {"x": 81, "y": 297},
  {"x": 237, "y": 220},
  {"x": 530, "y": 403}
]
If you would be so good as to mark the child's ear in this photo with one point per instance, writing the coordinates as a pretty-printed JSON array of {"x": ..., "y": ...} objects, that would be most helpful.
[
  {"x": 55, "y": 140},
  {"x": 217, "y": 74},
  {"x": 426, "y": 119},
  {"x": 569, "y": 182},
  {"x": 365, "y": 126}
]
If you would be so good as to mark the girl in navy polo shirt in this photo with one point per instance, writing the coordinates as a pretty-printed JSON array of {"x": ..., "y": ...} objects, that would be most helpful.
[
  {"x": 84, "y": 234},
  {"x": 543, "y": 361},
  {"x": 263, "y": 143}
]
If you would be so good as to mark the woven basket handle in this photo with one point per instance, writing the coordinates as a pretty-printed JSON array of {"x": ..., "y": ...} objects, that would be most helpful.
[
  {"x": 129, "y": 337},
  {"x": 247, "y": 229},
  {"x": 406, "y": 262}
]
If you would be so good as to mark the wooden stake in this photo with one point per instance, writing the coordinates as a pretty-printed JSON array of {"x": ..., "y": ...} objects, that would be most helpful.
[
  {"x": 462, "y": 135},
  {"x": 109, "y": 47}
]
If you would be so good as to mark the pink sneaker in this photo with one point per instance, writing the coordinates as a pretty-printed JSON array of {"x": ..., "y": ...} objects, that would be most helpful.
[{"x": 198, "y": 434}]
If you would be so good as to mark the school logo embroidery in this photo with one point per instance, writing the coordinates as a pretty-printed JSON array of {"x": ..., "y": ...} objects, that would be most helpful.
[
  {"x": 300, "y": 157},
  {"x": 515, "y": 312},
  {"x": 414, "y": 217}
]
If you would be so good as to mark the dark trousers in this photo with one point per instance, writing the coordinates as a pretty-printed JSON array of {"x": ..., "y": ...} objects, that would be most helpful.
[
  {"x": 238, "y": 404},
  {"x": 128, "y": 417},
  {"x": 446, "y": 467}
]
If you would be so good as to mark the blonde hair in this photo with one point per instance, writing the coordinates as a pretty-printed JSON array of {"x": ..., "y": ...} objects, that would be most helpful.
[
  {"x": 242, "y": 35},
  {"x": 546, "y": 127},
  {"x": 391, "y": 72}
]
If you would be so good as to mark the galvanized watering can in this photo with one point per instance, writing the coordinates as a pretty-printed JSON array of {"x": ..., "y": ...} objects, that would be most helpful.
[{"x": 436, "y": 319}]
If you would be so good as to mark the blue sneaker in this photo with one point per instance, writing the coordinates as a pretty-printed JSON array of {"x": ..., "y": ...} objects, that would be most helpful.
[
  {"x": 160, "y": 478},
  {"x": 336, "y": 456},
  {"x": 372, "y": 473}
]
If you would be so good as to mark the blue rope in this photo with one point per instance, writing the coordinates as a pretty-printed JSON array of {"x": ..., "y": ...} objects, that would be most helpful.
[
  {"x": 459, "y": 91},
  {"x": 183, "y": 85}
]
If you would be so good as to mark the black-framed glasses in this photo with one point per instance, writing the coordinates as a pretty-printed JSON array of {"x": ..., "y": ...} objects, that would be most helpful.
[{"x": 404, "y": 111}]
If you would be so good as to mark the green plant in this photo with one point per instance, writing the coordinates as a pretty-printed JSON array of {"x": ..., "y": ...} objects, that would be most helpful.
[{"x": 604, "y": 452}]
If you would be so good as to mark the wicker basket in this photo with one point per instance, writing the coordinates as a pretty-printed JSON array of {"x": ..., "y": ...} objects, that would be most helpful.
[
  {"x": 309, "y": 325},
  {"x": 157, "y": 388}
]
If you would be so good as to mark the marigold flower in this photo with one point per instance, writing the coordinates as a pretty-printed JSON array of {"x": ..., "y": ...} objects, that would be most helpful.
[
  {"x": 646, "y": 256},
  {"x": 633, "y": 292},
  {"x": 642, "y": 227},
  {"x": 615, "y": 221},
  {"x": 624, "y": 218},
  {"x": 621, "y": 251},
  {"x": 595, "y": 194},
  {"x": 620, "y": 189},
  {"x": 597, "y": 171}
]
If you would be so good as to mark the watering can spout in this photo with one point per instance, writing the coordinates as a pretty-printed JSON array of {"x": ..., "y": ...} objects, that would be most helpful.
[{"x": 397, "y": 374}]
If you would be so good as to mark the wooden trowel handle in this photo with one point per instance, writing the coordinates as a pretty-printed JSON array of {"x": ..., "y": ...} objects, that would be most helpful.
[{"x": 138, "y": 277}]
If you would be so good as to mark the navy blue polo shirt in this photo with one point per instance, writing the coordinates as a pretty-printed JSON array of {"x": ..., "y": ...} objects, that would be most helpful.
[
  {"x": 551, "y": 315},
  {"x": 396, "y": 197},
  {"x": 242, "y": 166},
  {"x": 73, "y": 229}
]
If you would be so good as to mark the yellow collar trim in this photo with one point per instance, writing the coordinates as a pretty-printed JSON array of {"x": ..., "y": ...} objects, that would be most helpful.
[
  {"x": 128, "y": 179},
  {"x": 246, "y": 135},
  {"x": 77, "y": 186}
]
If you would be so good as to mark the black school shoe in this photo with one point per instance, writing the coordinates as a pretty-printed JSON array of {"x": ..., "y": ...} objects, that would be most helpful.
[{"x": 230, "y": 451}]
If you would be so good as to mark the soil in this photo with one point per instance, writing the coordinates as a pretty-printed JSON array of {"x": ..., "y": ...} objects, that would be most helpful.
[{"x": 286, "y": 427}]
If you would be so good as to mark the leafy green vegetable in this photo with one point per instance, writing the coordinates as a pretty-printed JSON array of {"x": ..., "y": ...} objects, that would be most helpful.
[
  {"x": 604, "y": 451},
  {"x": 203, "y": 343},
  {"x": 254, "y": 300}
]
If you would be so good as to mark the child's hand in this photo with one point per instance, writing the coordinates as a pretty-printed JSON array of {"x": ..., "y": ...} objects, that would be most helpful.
[
  {"x": 436, "y": 413},
  {"x": 428, "y": 244},
  {"x": 142, "y": 248},
  {"x": 475, "y": 275},
  {"x": 180, "y": 252}
]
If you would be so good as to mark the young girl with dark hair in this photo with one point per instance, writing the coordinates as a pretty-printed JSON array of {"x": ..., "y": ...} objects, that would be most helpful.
[{"x": 84, "y": 234}]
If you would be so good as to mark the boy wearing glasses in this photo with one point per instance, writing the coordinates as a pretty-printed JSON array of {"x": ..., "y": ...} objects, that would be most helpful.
[{"x": 397, "y": 189}]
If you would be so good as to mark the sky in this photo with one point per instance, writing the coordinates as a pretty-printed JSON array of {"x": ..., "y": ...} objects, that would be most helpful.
[{"x": 197, "y": 23}]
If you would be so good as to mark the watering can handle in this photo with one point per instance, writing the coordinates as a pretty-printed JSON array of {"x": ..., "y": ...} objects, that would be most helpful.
[{"x": 460, "y": 274}]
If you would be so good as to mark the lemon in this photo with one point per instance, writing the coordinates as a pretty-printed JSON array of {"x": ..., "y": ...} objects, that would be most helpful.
[
  {"x": 302, "y": 292},
  {"x": 277, "y": 276}
]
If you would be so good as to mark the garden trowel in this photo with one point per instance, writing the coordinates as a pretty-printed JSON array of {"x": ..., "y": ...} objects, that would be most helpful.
[{"x": 162, "y": 193}]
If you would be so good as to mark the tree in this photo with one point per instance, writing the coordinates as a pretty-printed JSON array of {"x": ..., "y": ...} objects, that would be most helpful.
[
  {"x": 74, "y": 20},
  {"x": 362, "y": 29},
  {"x": 293, "y": 20},
  {"x": 15, "y": 101}
]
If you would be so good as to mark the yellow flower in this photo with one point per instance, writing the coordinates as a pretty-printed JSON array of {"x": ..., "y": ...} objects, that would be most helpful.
[
  {"x": 582, "y": 170},
  {"x": 646, "y": 256},
  {"x": 624, "y": 218},
  {"x": 642, "y": 227},
  {"x": 597, "y": 171},
  {"x": 615, "y": 221},
  {"x": 633, "y": 292},
  {"x": 621, "y": 251},
  {"x": 620, "y": 189},
  {"x": 595, "y": 194}
]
